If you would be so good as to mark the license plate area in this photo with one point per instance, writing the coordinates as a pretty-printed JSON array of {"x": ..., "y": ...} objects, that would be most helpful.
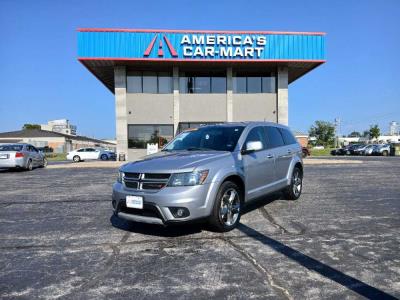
[
  {"x": 134, "y": 202},
  {"x": 3, "y": 156}
]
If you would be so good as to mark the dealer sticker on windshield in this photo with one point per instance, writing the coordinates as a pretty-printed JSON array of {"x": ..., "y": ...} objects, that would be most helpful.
[{"x": 134, "y": 202}]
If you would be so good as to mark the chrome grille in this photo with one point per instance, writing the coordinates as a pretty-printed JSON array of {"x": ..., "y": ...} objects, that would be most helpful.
[{"x": 145, "y": 181}]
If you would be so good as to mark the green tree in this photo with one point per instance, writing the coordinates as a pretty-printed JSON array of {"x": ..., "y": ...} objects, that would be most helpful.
[
  {"x": 355, "y": 134},
  {"x": 31, "y": 126},
  {"x": 374, "y": 132},
  {"x": 324, "y": 132}
]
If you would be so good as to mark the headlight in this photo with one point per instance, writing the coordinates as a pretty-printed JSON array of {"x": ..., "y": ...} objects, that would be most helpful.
[
  {"x": 120, "y": 176},
  {"x": 188, "y": 179}
]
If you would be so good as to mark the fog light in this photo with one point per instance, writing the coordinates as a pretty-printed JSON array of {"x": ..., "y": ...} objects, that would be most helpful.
[{"x": 179, "y": 212}]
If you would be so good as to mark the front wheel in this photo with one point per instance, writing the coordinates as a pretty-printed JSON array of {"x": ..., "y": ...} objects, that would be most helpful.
[
  {"x": 227, "y": 207},
  {"x": 385, "y": 153},
  {"x": 76, "y": 158},
  {"x": 293, "y": 191},
  {"x": 44, "y": 164},
  {"x": 104, "y": 157}
]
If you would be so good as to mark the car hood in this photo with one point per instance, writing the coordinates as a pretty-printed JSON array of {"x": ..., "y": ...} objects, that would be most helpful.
[{"x": 172, "y": 162}]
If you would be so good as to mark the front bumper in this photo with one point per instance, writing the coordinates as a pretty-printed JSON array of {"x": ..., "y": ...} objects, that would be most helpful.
[{"x": 198, "y": 200}]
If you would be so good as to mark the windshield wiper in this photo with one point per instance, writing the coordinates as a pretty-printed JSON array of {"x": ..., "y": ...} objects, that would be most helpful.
[{"x": 198, "y": 149}]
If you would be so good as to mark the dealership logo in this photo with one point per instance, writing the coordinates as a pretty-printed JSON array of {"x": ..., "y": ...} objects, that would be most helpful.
[
  {"x": 212, "y": 46},
  {"x": 160, "y": 51}
]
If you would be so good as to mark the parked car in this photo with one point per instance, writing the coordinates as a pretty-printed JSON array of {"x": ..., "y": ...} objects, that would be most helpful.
[
  {"x": 21, "y": 155},
  {"x": 369, "y": 149},
  {"x": 90, "y": 153},
  {"x": 358, "y": 150},
  {"x": 340, "y": 151},
  {"x": 305, "y": 152},
  {"x": 383, "y": 149},
  {"x": 209, "y": 174}
]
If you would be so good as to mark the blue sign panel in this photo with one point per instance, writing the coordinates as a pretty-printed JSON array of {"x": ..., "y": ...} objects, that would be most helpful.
[{"x": 209, "y": 46}]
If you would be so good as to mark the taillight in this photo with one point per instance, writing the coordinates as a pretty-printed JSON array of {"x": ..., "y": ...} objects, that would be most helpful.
[{"x": 19, "y": 154}]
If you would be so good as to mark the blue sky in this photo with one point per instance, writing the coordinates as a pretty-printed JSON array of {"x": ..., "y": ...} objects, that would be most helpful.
[{"x": 41, "y": 79}]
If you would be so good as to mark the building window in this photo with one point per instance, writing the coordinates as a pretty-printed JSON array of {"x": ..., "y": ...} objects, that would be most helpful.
[
  {"x": 254, "y": 84},
  {"x": 194, "y": 84},
  {"x": 149, "y": 82},
  {"x": 141, "y": 135}
]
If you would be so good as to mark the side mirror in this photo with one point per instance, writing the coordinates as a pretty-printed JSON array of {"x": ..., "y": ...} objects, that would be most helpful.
[{"x": 252, "y": 147}]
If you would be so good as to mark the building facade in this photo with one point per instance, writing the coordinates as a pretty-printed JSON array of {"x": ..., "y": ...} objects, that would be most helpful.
[
  {"x": 166, "y": 81},
  {"x": 61, "y": 126}
]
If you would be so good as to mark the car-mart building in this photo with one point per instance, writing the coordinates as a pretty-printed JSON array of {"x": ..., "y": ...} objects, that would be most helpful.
[{"x": 166, "y": 81}]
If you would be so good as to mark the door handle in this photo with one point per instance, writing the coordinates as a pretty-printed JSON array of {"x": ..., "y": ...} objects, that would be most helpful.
[
  {"x": 269, "y": 156},
  {"x": 289, "y": 151}
]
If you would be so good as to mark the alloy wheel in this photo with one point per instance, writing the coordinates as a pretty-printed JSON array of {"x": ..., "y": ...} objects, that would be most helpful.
[{"x": 230, "y": 207}]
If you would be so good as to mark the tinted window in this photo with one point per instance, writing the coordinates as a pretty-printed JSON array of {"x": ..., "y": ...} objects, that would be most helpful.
[
  {"x": 254, "y": 84},
  {"x": 288, "y": 137},
  {"x": 90, "y": 150},
  {"x": 220, "y": 138},
  {"x": 256, "y": 135},
  {"x": 150, "y": 82},
  {"x": 81, "y": 150},
  {"x": 141, "y": 135},
  {"x": 134, "y": 82},
  {"x": 202, "y": 85},
  {"x": 10, "y": 147},
  {"x": 218, "y": 85},
  {"x": 268, "y": 85},
  {"x": 239, "y": 85},
  {"x": 164, "y": 83},
  {"x": 274, "y": 137}
]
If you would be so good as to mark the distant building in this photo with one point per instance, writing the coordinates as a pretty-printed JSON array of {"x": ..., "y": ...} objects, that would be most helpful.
[
  {"x": 394, "y": 128},
  {"x": 301, "y": 137},
  {"x": 61, "y": 126},
  {"x": 59, "y": 142}
]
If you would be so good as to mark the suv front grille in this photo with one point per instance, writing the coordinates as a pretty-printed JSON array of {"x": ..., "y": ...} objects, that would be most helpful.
[{"x": 146, "y": 181}]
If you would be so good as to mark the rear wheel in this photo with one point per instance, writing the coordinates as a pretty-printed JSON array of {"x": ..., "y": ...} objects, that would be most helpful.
[
  {"x": 104, "y": 157},
  {"x": 29, "y": 165},
  {"x": 227, "y": 207},
  {"x": 76, "y": 158},
  {"x": 385, "y": 153},
  {"x": 293, "y": 191}
]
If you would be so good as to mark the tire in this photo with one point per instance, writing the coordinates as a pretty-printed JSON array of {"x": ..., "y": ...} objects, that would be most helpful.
[
  {"x": 385, "y": 153},
  {"x": 227, "y": 207},
  {"x": 44, "y": 165},
  {"x": 29, "y": 165},
  {"x": 76, "y": 158},
  {"x": 104, "y": 157},
  {"x": 304, "y": 154},
  {"x": 293, "y": 191}
]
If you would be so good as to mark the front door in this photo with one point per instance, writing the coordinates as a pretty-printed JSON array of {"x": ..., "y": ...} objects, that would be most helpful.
[{"x": 258, "y": 166}]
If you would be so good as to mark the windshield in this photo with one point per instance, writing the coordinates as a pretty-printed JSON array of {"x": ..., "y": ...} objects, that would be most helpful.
[
  {"x": 220, "y": 138},
  {"x": 10, "y": 147}
]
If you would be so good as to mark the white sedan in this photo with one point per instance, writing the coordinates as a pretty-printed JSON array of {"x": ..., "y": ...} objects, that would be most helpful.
[{"x": 87, "y": 154}]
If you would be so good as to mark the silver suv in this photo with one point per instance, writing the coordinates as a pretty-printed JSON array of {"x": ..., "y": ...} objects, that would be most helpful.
[{"x": 210, "y": 173}]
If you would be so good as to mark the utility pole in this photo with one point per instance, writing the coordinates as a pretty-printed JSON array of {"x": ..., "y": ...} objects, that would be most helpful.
[{"x": 337, "y": 131}]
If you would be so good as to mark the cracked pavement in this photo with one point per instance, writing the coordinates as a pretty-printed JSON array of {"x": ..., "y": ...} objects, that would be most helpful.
[{"x": 341, "y": 239}]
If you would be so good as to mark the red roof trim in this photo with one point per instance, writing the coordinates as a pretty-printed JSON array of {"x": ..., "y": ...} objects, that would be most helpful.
[
  {"x": 199, "y": 60},
  {"x": 196, "y": 31}
]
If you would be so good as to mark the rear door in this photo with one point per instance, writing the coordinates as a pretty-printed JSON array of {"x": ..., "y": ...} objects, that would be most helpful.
[
  {"x": 258, "y": 165},
  {"x": 282, "y": 153},
  {"x": 92, "y": 153},
  {"x": 35, "y": 155}
]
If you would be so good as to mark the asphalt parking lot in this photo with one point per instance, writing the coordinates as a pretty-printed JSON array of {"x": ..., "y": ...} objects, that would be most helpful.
[{"x": 340, "y": 240}]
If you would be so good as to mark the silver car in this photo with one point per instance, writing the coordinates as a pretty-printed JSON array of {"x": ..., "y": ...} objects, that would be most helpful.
[
  {"x": 24, "y": 156},
  {"x": 210, "y": 173}
]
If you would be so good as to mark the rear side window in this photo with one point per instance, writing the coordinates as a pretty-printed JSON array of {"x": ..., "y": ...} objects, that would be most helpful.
[
  {"x": 288, "y": 137},
  {"x": 10, "y": 148},
  {"x": 257, "y": 135},
  {"x": 274, "y": 137}
]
